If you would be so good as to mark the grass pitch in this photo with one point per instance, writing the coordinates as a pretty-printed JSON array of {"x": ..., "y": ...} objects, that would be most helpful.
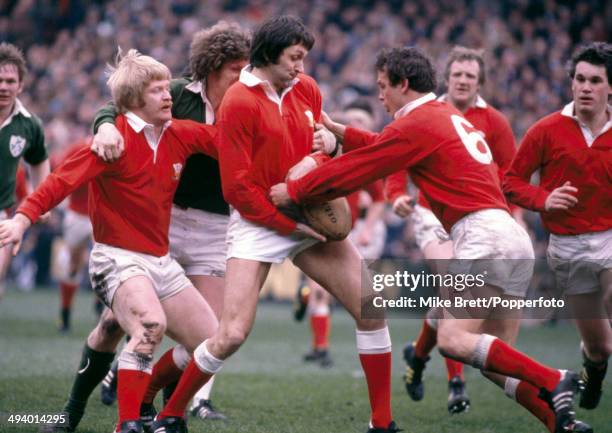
[{"x": 265, "y": 387}]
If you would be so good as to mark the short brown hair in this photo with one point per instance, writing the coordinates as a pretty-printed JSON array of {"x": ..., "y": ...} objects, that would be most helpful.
[
  {"x": 132, "y": 73},
  {"x": 10, "y": 54},
  {"x": 211, "y": 48},
  {"x": 463, "y": 54}
]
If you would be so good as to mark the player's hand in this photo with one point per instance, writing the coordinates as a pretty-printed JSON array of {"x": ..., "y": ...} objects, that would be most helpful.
[
  {"x": 308, "y": 232},
  {"x": 12, "y": 230},
  {"x": 44, "y": 218},
  {"x": 561, "y": 198},
  {"x": 307, "y": 164},
  {"x": 403, "y": 206},
  {"x": 336, "y": 128},
  {"x": 108, "y": 143},
  {"x": 279, "y": 195},
  {"x": 324, "y": 140}
]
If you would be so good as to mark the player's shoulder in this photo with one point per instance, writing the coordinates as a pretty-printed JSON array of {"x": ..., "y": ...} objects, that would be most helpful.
[
  {"x": 307, "y": 84},
  {"x": 548, "y": 125}
]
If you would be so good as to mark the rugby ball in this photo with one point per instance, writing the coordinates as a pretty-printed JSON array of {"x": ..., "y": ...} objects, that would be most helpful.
[{"x": 332, "y": 218}]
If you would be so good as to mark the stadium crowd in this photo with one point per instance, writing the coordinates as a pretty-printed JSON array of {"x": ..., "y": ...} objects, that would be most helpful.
[{"x": 526, "y": 44}]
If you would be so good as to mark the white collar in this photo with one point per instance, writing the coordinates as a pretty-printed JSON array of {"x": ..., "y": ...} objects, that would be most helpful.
[
  {"x": 568, "y": 111},
  {"x": 414, "y": 104},
  {"x": 136, "y": 122},
  {"x": 480, "y": 102},
  {"x": 250, "y": 80},
  {"x": 199, "y": 87},
  {"x": 18, "y": 108}
]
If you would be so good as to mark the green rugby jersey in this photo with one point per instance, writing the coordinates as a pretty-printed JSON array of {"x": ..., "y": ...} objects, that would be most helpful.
[
  {"x": 200, "y": 184},
  {"x": 21, "y": 135}
]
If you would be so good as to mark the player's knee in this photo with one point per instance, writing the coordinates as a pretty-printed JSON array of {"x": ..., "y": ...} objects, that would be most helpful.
[
  {"x": 149, "y": 336},
  {"x": 598, "y": 350},
  {"x": 233, "y": 338},
  {"x": 109, "y": 328},
  {"x": 446, "y": 339}
]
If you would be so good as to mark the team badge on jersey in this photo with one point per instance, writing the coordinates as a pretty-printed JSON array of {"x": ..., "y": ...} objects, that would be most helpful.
[
  {"x": 178, "y": 167},
  {"x": 308, "y": 114},
  {"x": 16, "y": 145}
]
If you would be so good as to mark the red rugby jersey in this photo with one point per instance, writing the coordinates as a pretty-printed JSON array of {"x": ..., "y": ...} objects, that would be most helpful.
[
  {"x": 130, "y": 199},
  {"x": 261, "y": 136},
  {"x": 495, "y": 129},
  {"x": 556, "y": 146},
  {"x": 446, "y": 158},
  {"x": 77, "y": 201}
]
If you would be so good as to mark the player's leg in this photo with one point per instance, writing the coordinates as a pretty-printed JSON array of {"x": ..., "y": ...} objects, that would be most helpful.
[
  {"x": 139, "y": 312},
  {"x": 593, "y": 323},
  {"x": 462, "y": 340},
  {"x": 69, "y": 284},
  {"x": 320, "y": 323},
  {"x": 211, "y": 288},
  {"x": 5, "y": 258},
  {"x": 98, "y": 353},
  {"x": 321, "y": 263},
  {"x": 244, "y": 278}
]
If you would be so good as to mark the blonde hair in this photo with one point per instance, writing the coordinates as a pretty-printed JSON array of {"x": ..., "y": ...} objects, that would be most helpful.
[{"x": 129, "y": 77}]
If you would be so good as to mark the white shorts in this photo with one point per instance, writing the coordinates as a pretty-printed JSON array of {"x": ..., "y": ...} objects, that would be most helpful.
[
  {"x": 427, "y": 227},
  {"x": 246, "y": 240},
  {"x": 197, "y": 241},
  {"x": 492, "y": 243},
  {"x": 578, "y": 260},
  {"x": 109, "y": 267},
  {"x": 374, "y": 249},
  {"x": 77, "y": 228}
]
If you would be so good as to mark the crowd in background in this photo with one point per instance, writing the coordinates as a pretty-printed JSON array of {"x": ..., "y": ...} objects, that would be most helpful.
[{"x": 68, "y": 44}]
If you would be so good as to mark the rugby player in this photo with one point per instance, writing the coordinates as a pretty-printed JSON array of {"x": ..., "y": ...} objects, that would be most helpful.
[
  {"x": 21, "y": 135},
  {"x": 572, "y": 150}
]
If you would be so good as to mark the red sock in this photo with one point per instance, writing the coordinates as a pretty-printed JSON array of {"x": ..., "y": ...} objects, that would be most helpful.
[
  {"x": 454, "y": 368},
  {"x": 164, "y": 373},
  {"x": 504, "y": 359},
  {"x": 426, "y": 341},
  {"x": 67, "y": 291},
  {"x": 527, "y": 396},
  {"x": 191, "y": 381},
  {"x": 320, "y": 331},
  {"x": 377, "y": 369},
  {"x": 131, "y": 386}
]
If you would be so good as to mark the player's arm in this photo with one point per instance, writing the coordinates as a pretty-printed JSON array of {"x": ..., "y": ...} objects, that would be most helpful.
[
  {"x": 200, "y": 138},
  {"x": 80, "y": 168},
  {"x": 390, "y": 152},
  {"x": 236, "y": 133},
  {"x": 107, "y": 143},
  {"x": 517, "y": 186},
  {"x": 397, "y": 195}
]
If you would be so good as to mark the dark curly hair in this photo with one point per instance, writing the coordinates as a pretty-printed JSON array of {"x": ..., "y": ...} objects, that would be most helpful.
[
  {"x": 211, "y": 48},
  {"x": 10, "y": 54}
]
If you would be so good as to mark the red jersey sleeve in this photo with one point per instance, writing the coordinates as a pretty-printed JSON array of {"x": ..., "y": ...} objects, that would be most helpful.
[
  {"x": 355, "y": 138},
  {"x": 80, "y": 168},
  {"x": 395, "y": 185},
  {"x": 237, "y": 123},
  {"x": 502, "y": 143},
  {"x": 389, "y": 153},
  {"x": 375, "y": 189},
  {"x": 516, "y": 184},
  {"x": 198, "y": 137}
]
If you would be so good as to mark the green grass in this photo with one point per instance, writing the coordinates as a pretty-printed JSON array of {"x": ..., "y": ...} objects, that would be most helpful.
[{"x": 265, "y": 387}]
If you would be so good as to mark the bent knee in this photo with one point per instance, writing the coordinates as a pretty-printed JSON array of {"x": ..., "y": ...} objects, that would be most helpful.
[
  {"x": 148, "y": 337},
  {"x": 234, "y": 338}
]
